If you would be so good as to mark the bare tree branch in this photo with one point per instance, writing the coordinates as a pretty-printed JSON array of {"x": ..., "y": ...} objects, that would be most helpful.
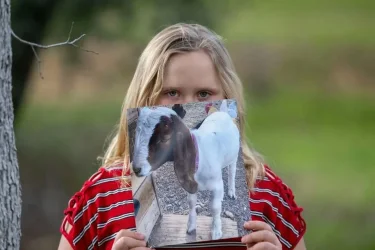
[
  {"x": 67, "y": 42},
  {"x": 39, "y": 62}
]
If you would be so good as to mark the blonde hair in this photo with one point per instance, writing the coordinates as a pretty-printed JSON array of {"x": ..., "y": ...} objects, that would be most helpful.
[{"x": 146, "y": 86}]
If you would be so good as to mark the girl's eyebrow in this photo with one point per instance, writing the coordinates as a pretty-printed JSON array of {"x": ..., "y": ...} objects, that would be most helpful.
[
  {"x": 166, "y": 89},
  {"x": 170, "y": 87},
  {"x": 210, "y": 89}
]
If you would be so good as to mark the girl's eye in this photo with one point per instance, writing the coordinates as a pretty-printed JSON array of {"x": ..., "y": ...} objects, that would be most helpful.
[
  {"x": 203, "y": 94},
  {"x": 172, "y": 93}
]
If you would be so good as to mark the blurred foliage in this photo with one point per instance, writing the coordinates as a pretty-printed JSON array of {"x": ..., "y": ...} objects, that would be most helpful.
[
  {"x": 134, "y": 21},
  {"x": 29, "y": 19},
  {"x": 308, "y": 71}
]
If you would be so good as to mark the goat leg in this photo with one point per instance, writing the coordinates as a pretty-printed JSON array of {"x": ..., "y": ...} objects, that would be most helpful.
[
  {"x": 232, "y": 180},
  {"x": 217, "y": 197},
  {"x": 192, "y": 221}
]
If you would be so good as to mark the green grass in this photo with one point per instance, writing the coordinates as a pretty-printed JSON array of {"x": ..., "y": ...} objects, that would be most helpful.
[
  {"x": 319, "y": 23},
  {"x": 320, "y": 144}
]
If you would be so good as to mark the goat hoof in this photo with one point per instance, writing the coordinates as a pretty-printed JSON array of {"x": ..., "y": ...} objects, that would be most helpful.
[
  {"x": 232, "y": 195},
  {"x": 191, "y": 231},
  {"x": 216, "y": 234}
]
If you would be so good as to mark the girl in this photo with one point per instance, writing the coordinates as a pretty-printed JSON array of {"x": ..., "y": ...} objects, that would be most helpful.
[{"x": 183, "y": 63}]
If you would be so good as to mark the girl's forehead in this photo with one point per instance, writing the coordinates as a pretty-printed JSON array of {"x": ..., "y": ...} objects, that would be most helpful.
[{"x": 193, "y": 69}]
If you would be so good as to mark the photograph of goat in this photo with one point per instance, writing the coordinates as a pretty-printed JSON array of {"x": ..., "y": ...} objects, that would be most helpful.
[{"x": 193, "y": 154}]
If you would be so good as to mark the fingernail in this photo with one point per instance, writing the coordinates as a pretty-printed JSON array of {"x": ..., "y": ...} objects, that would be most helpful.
[{"x": 140, "y": 235}]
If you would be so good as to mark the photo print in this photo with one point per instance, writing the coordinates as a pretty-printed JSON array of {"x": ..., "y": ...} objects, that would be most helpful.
[{"x": 188, "y": 176}]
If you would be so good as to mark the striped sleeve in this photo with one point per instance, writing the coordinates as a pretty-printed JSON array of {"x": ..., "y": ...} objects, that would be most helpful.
[
  {"x": 98, "y": 211},
  {"x": 272, "y": 201}
]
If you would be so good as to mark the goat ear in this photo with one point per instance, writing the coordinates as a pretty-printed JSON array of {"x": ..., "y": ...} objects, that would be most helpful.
[
  {"x": 184, "y": 157},
  {"x": 211, "y": 110},
  {"x": 224, "y": 106},
  {"x": 179, "y": 109}
]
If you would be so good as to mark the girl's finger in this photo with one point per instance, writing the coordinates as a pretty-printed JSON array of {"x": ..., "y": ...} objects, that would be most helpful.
[
  {"x": 130, "y": 234},
  {"x": 263, "y": 246},
  {"x": 260, "y": 236},
  {"x": 257, "y": 226},
  {"x": 120, "y": 244},
  {"x": 127, "y": 243}
]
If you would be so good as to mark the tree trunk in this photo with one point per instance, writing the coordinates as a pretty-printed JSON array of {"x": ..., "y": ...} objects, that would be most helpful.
[{"x": 10, "y": 190}]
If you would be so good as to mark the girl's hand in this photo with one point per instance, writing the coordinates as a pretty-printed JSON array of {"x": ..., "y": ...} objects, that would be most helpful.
[
  {"x": 262, "y": 237},
  {"x": 128, "y": 240}
]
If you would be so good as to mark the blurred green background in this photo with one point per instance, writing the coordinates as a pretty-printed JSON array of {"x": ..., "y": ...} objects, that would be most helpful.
[{"x": 308, "y": 69}]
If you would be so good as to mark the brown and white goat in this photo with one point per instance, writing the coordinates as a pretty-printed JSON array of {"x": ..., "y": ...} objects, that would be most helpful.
[{"x": 199, "y": 155}]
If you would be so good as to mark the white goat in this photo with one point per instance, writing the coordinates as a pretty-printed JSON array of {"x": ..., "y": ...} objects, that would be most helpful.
[{"x": 199, "y": 155}]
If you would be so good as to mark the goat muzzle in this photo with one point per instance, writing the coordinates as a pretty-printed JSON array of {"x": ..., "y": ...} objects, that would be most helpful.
[{"x": 137, "y": 171}]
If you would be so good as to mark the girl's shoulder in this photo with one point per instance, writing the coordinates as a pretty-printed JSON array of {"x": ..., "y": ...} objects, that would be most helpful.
[
  {"x": 102, "y": 207},
  {"x": 272, "y": 201}
]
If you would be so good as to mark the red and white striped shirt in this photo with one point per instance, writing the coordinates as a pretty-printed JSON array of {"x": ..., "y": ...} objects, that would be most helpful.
[{"x": 103, "y": 207}]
